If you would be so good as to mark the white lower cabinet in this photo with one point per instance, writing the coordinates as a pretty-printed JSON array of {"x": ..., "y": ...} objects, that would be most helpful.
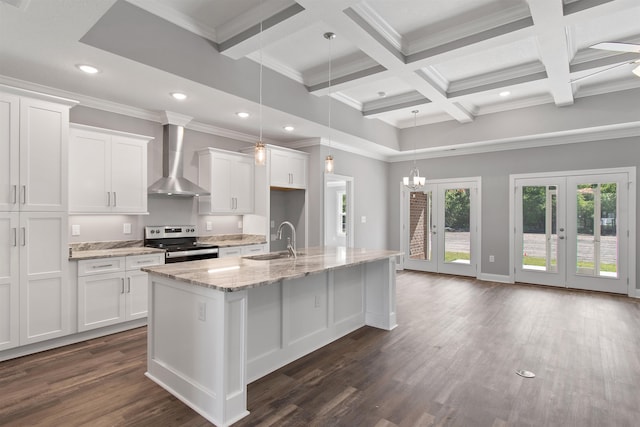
[
  {"x": 34, "y": 290},
  {"x": 113, "y": 290},
  {"x": 242, "y": 250}
]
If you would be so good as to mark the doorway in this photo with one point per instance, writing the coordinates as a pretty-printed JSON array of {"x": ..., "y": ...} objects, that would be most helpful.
[
  {"x": 338, "y": 210},
  {"x": 573, "y": 229},
  {"x": 440, "y": 227}
]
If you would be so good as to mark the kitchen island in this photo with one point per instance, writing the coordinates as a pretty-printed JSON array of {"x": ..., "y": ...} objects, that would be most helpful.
[{"x": 216, "y": 325}]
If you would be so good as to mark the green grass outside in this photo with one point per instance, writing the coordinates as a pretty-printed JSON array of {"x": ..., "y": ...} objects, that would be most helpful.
[
  {"x": 452, "y": 256},
  {"x": 539, "y": 261}
]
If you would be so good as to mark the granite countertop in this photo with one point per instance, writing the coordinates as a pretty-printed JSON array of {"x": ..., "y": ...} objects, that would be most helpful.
[
  {"x": 230, "y": 240},
  {"x": 238, "y": 273},
  {"x": 114, "y": 252}
]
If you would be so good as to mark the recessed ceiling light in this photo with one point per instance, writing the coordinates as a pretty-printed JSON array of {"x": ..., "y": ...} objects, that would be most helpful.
[
  {"x": 289, "y": 128},
  {"x": 89, "y": 69},
  {"x": 504, "y": 93},
  {"x": 242, "y": 115},
  {"x": 179, "y": 96}
]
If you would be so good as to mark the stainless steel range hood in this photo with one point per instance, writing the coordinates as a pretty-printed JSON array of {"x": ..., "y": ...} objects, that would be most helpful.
[{"x": 172, "y": 182}]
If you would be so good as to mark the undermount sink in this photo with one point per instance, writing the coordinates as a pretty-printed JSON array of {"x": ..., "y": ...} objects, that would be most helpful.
[{"x": 270, "y": 256}]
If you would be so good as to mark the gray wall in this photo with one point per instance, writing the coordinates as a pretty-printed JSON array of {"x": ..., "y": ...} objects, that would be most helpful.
[
  {"x": 370, "y": 180},
  {"x": 495, "y": 168}
]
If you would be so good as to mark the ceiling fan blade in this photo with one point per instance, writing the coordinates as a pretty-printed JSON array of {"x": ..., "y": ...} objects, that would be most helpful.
[
  {"x": 617, "y": 47},
  {"x": 602, "y": 71}
]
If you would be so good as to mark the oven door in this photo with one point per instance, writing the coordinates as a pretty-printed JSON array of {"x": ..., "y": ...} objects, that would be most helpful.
[{"x": 191, "y": 255}]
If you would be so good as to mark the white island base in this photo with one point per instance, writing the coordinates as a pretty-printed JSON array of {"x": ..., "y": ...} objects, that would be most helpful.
[{"x": 205, "y": 345}]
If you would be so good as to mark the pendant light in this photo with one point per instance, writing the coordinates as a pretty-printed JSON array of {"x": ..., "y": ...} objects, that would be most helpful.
[
  {"x": 328, "y": 161},
  {"x": 414, "y": 181},
  {"x": 260, "y": 151}
]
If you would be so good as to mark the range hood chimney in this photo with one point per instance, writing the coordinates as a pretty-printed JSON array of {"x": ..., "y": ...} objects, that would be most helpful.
[{"x": 173, "y": 183}]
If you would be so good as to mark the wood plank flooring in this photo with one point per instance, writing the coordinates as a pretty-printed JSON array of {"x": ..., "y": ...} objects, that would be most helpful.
[{"x": 451, "y": 361}]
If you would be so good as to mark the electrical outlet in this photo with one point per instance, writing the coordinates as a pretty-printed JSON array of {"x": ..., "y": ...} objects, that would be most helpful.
[
  {"x": 75, "y": 230},
  {"x": 316, "y": 302},
  {"x": 363, "y": 219},
  {"x": 202, "y": 311},
  {"x": 273, "y": 224},
  {"x": 209, "y": 226},
  {"x": 273, "y": 237},
  {"x": 240, "y": 224},
  {"x": 492, "y": 258},
  {"x": 126, "y": 228}
]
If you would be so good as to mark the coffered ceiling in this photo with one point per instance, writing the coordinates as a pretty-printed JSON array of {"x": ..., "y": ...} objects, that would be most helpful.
[{"x": 449, "y": 59}]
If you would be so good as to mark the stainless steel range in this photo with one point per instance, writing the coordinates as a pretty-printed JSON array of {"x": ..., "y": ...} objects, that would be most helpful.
[{"x": 180, "y": 242}]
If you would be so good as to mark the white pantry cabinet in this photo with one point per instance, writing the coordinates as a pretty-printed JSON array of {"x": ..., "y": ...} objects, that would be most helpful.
[
  {"x": 288, "y": 168},
  {"x": 34, "y": 137},
  {"x": 107, "y": 171},
  {"x": 228, "y": 176},
  {"x": 113, "y": 290},
  {"x": 9, "y": 281}
]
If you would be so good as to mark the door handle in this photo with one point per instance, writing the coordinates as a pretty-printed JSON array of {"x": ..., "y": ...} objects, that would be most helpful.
[
  {"x": 561, "y": 237},
  {"x": 23, "y": 196},
  {"x": 108, "y": 198},
  {"x": 14, "y": 197},
  {"x": 128, "y": 285},
  {"x": 24, "y": 236},
  {"x": 122, "y": 288},
  {"x": 115, "y": 201},
  {"x": 15, "y": 237}
]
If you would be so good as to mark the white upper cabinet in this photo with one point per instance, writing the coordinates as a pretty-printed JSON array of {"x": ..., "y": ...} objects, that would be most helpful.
[
  {"x": 288, "y": 168},
  {"x": 107, "y": 171},
  {"x": 34, "y": 137},
  {"x": 228, "y": 176}
]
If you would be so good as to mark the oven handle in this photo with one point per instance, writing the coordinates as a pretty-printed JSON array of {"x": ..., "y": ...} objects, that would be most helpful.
[{"x": 178, "y": 254}]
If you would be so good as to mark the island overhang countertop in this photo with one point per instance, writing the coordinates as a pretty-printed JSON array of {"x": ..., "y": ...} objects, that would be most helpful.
[{"x": 238, "y": 273}]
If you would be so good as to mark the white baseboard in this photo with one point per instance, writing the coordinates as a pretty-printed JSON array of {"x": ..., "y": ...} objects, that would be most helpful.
[
  {"x": 25, "y": 350},
  {"x": 494, "y": 278}
]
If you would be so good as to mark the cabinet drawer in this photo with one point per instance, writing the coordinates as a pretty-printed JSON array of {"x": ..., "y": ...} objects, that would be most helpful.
[
  {"x": 228, "y": 252},
  {"x": 137, "y": 261},
  {"x": 254, "y": 249},
  {"x": 101, "y": 265}
]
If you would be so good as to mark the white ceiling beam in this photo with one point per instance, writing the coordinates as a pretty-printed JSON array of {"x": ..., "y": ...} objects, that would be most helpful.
[
  {"x": 347, "y": 23},
  {"x": 554, "y": 48},
  {"x": 274, "y": 28}
]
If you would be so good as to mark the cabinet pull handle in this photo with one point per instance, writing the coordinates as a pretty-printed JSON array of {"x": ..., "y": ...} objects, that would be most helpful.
[
  {"x": 15, "y": 237},
  {"x": 14, "y": 197},
  {"x": 24, "y": 236},
  {"x": 128, "y": 285},
  {"x": 122, "y": 289},
  {"x": 23, "y": 196},
  {"x": 102, "y": 266},
  {"x": 115, "y": 201},
  {"x": 108, "y": 198}
]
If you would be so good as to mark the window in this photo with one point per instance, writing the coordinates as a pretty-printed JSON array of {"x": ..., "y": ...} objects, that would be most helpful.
[{"x": 342, "y": 213}]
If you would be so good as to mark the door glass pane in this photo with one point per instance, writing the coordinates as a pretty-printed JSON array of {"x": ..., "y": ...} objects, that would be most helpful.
[
  {"x": 420, "y": 222},
  {"x": 457, "y": 216},
  {"x": 597, "y": 246},
  {"x": 539, "y": 235}
]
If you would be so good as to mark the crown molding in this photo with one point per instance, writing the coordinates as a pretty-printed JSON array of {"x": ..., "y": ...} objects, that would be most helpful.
[
  {"x": 345, "y": 99},
  {"x": 378, "y": 23},
  {"x": 277, "y": 66},
  {"x": 250, "y": 18},
  {"x": 186, "y": 22}
]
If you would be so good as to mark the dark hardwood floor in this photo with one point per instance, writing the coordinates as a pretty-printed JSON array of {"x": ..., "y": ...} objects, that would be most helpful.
[{"x": 451, "y": 361}]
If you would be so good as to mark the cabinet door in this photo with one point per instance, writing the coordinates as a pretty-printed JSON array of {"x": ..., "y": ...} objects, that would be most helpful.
[
  {"x": 242, "y": 180},
  {"x": 280, "y": 173},
  {"x": 9, "y": 281},
  {"x": 229, "y": 252},
  {"x": 128, "y": 175},
  {"x": 221, "y": 195},
  {"x": 44, "y": 134},
  {"x": 298, "y": 168},
  {"x": 89, "y": 171},
  {"x": 101, "y": 300},
  {"x": 137, "y": 296},
  {"x": 9, "y": 151},
  {"x": 44, "y": 284}
]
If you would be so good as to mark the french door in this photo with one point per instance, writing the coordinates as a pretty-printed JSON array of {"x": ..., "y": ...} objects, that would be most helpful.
[
  {"x": 440, "y": 227},
  {"x": 572, "y": 231}
]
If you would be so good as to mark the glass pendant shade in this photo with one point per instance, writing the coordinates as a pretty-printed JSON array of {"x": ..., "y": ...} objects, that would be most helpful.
[
  {"x": 328, "y": 164},
  {"x": 260, "y": 154}
]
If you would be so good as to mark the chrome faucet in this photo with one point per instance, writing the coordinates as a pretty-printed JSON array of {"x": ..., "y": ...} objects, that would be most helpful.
[{"x": 290, "y": 247}]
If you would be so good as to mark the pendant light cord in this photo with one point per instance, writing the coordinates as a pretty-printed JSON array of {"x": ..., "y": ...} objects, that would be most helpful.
[
  {"x": 329, "y": 94},
  {"x": 260, "y": 112}
]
